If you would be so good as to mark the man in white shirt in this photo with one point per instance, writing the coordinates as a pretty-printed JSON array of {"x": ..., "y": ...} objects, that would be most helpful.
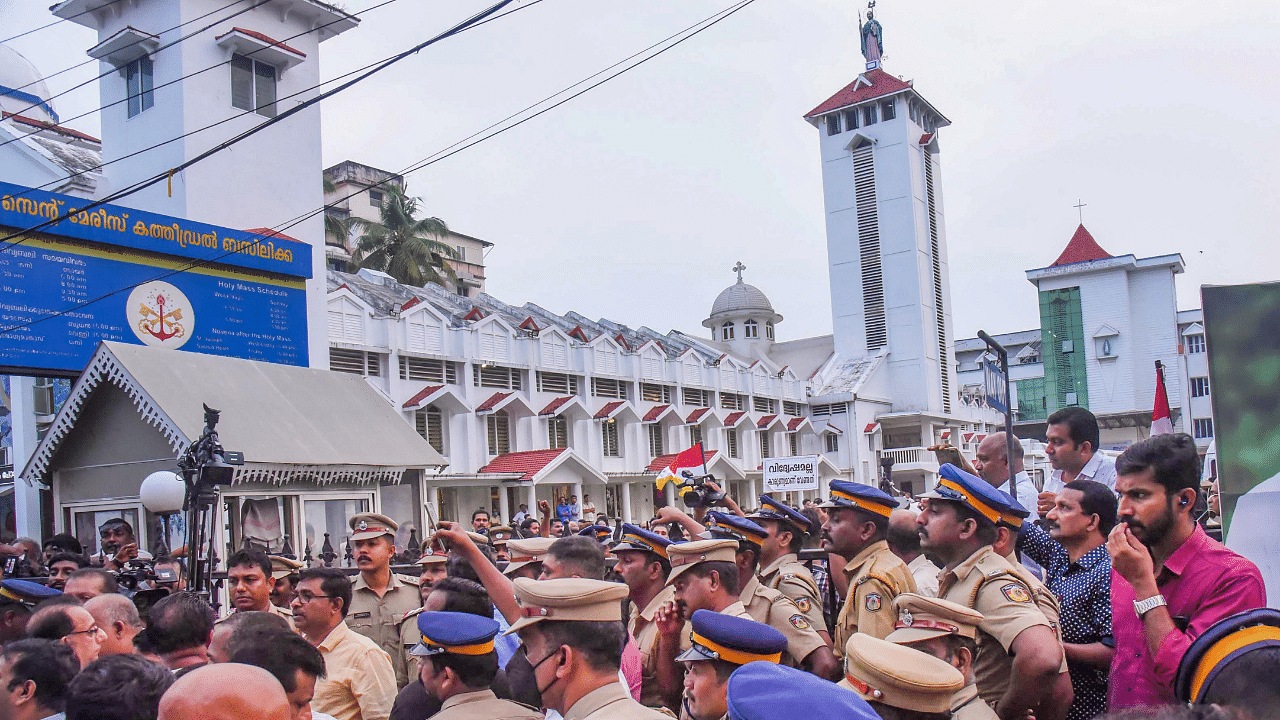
[
  {"x": 992, "y": 463},
  {"x": 1072, "y": 447},
  {"x": 904, "y": 541}
]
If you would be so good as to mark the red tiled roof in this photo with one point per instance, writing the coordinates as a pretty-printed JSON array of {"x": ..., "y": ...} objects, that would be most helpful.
[
  {"x": 733, "y": 419},
  {"x": 882, "y": 83},
  {"x": 427, "y": 392},
  {"x": 795, "y": 423},
  {"x": 529, "y": 462},
  {"x": 968, "y": 436},
  {"x": 48, "y": 126},
  {"x": 475, "y": 313},
  {"x": 268, "y": 232},
  {"x": 870, "y": 428},
  {"x": 492, "y": 402},
  {"x": 608, "y": 409},
  {"x": 530, "y": 324},
  {"x": 696, "y": 415},
  {"x": 259, "y": 36},
  {"x": 764, "y": 421},
  {"x": 411, "y": 302},
  {"x": 554, "y": 405},
  {"x": 926, "y": 138},
  {"x": 663, "y": 461},
  {"x": 1081, "y": 248},
  {"x": 655, "y": 413}
]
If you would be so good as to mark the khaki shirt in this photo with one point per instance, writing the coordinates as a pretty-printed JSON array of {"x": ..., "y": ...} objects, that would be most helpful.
[
  {"x": 359, "y": 683},
  {"x": 379, "y": 618},
  {"x": 645, "y": 633},
  {"x": 987, "y": 583},
  {"x": 790, "y": 577},
  {"x": 484, "y": 705},
  {"x": 409, "y": 637},
  {"x": 876, "y": 576},
  {"x": 611, "y": 702},
  {"x": 288, "y": 616},
  {"x": 1044, "y": 597},
  {"x": 966, "y": 705},
  {"x": 770, "y": 607}
]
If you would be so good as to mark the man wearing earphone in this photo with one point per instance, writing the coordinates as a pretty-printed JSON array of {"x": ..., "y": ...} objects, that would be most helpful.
[{"x": 1170, "y": 581}]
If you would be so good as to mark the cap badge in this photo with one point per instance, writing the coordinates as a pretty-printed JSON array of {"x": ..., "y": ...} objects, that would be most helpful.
[
  {"x": 362, "y": 525},
  {"x": 906, "y": 618}
]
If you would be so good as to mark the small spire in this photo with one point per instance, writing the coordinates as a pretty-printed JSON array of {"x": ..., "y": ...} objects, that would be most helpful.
[{"x": 738, "y": 269}]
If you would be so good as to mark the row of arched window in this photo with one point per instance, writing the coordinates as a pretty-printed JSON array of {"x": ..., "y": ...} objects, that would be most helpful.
[{"x": 750, "y": 330}]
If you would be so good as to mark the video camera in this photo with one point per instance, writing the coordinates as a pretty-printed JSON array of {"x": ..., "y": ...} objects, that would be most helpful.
[
  {"x": 160, "y": 582},
  {"x": 695, "y": 492}
]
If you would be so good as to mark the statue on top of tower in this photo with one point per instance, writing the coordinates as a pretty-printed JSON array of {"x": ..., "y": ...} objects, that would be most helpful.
[{"x": 872, "y": 37}]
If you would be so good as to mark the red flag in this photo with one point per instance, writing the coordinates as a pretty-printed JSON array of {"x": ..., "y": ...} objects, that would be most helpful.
[
  {"x": 1161, "y": 421},
  {"x": 691, "y": 459}
]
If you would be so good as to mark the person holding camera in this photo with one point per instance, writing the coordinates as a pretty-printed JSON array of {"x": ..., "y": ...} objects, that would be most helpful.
[{"x": 119, "y": 546}]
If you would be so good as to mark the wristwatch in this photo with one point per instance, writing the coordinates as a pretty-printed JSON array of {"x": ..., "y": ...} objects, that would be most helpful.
[{"x": 1142, "y": 607}]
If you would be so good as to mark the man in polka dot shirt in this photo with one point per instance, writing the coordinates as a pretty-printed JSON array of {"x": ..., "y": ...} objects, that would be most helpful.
[{"x": 1077, "y": 568}]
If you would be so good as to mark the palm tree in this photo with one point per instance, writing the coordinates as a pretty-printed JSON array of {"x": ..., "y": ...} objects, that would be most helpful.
[
  {"x": 335, "y": 226},
  {"x": 408, "y": 248}
]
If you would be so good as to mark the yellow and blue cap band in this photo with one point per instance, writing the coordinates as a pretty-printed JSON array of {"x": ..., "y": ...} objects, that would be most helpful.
[
  {"x": 483, "y": 648},
  {"x": 737, "y": 657},
  {"x": 972, "y": 500},
  {"x": 862, "y": 503},
  {"x": 1225, "y": 648}
]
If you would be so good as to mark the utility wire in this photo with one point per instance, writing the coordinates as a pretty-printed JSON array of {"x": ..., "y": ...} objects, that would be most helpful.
[
  {"x": 189, "y": 133},
  {"x": 457, "y": 147},
  {"x": 55, "y": 22},
  {"x": 142, "y": 185}
]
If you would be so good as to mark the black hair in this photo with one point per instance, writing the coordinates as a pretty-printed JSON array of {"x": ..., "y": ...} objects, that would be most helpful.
[
  {"x": 599, "y": 642},
  {"x": 459, "y": 566},
  {"x": 115, "y": 522},
  {"x": 109, "y": 584},
  {"x": 333, "y": 582},
  {"x": 1173, "y": 457},
  {"x": 282, "y": 654},
  {"x": 51, "y": 665},
  {"x": 955, "y": 642},
  {"x": 251, "y": 558},
  {"x": 118, "y": 687},
  {"x": 475, "y": 671},
  {"x": 815, "y": 520},
  {"x": 727, "y": 571},
  {"x": 478, "y": 512},
  {"x": 65, "y": 542},
  {"x": 1097, "y": 499},
  {"x": 249, "y": 628},
  {"x": 1248, "y": 683},
  {"x": 582, "y": 554},
  {"x": 68, "y": 557},
  {"x": 463, "y": 595},
  {"x": 178, "y": 622},
  {"x": 52, "y": 625},
  {"x": 653, "y": 557},
  {"x": 745, "y": 546},
  {"x": 1082, "y": 426},
  {"x": 723, "y": 669}
]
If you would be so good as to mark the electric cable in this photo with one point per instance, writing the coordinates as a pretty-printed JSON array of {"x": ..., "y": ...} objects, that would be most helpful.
[
  {"x": 691, "y": 31},
  {"x": 55, "y": 22}
]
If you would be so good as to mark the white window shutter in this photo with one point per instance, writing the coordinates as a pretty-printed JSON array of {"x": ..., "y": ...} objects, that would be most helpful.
[
  {"x": 417, "y": 339},
  {"x": 606, "y": 360},
  {"x": 652, "y": 367},
  {"x": 728, "y": 379},
  {"x": 335, "y": 324},
  {"x": 692, "y": 374},
  {"x": 555, "y": 352}
]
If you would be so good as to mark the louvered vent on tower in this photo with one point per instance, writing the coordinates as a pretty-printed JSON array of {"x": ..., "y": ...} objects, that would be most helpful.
[
  {"x": 944, "y": 363},
  {"x": 864, "y": 188}
]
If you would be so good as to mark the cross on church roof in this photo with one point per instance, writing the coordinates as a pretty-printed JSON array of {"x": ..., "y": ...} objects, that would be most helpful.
[
  {"x": 738, "y": 269},
  {"x": 1080, "y": 206}
]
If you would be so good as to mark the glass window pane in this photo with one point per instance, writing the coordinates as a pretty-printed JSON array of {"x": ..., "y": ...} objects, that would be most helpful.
[
  {"x": 400, "y": 503},
  {"x": 87, "y": 523},
  {"x": 330, "y": 516},
  {"x": 241, "y": 82},
  {"x": 147, "y": 83},
  {"x": 265, "y": 85}
]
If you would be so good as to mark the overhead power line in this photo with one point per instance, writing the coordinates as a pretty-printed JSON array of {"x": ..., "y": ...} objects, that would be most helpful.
[
  {"x": 55, "y": 22},
  {"x": 679, "y": 37}
]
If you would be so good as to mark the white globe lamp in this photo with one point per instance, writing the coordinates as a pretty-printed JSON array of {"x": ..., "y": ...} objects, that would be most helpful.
[{"x": 162, "y": 492}]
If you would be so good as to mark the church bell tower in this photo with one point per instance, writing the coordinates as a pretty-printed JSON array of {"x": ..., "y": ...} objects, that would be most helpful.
[{"x": 886, "y": 237}]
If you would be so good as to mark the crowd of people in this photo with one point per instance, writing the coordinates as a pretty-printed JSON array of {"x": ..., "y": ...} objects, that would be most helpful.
[{"x": 1097, "y": 595}]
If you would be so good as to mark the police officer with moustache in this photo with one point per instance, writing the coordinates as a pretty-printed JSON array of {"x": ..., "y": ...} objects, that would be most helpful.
[
  {"x": 780, "y": 566},
  {"x": 643, "y": 566},
  {"x": 856, "y": 528},
  {"x": 1019, "y": 656},
  {"x": 948, "y": 632},
  {"x": 719, "y": 645},
  {"x": 380, "y": 599},
  {"x": 458, "y": 663}
]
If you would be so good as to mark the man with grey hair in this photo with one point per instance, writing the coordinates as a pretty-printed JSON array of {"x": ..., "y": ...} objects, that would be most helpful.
[
  {"x": 118, "y": 617},
  {"x": 992, "y": 464}
]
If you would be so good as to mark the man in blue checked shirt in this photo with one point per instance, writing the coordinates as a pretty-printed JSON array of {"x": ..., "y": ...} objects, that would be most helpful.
[{"x": 1077, "y": 568}]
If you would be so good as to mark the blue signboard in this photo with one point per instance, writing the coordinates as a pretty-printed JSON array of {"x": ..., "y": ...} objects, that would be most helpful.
[
  {"x": 997, "y": 395},
  {"x": 64, "y": 289}
]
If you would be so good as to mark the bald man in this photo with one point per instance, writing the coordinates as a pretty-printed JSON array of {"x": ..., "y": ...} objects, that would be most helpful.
[
  {"x": 225, "y": 691},
  {"x": 904, "y": 541},
  {"x": 118, "y": 617}
]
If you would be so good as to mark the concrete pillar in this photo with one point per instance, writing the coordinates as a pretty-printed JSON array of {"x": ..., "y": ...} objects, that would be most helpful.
[
  {"x": 670, "y": 491},
  {"x": 624, "y": 491},
  {"x": 577, "y": 490},
  {"x": 532, "y": 500},
  {"x": 26, "y": 497}
]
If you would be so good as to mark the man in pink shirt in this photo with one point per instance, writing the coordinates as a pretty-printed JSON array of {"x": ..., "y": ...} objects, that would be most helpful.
[{"x": 1170, "y": 581}]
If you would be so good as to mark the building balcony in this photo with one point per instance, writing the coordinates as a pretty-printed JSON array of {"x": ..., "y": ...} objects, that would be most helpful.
[{"x": 910, "y": 458}]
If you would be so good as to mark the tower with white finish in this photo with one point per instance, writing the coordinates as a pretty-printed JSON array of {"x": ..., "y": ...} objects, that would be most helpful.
[
  {"x": 743, "y": 318},
  {"x": 255, "y": 61},
  {"x": 886, "y": 237}
]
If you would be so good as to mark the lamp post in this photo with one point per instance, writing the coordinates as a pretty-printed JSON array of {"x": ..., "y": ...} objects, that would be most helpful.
[{"x": 162, "y": 494}]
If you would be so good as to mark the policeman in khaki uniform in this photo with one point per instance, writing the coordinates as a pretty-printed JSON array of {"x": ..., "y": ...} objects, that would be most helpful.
[
  {"x": 526, "y": 555},
  {"x": 458, "y": 663},
  {"x": 637, "y": 551},
  {"x": 719, "y": 645},
  {"x": 768, "y": 606},
  {"x": 858, "y": 521},
  {"x": 885, "y": 673},
  {"x": 574, "y": 678},
  {"x": 1007, "y": 529},
  {"x": 958, "y": 525},
  {"x": 948, "y": 632},
  {"x": 781, "y": 567},
  {"x": 433, "y": 564},
  {"x": 380, "y": 599}
]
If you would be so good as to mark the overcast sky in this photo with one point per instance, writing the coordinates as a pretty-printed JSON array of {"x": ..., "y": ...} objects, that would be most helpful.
[{"x": 634, "y": 201}]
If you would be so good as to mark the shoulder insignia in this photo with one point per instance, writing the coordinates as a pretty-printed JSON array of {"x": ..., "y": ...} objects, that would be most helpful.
[
  {"x": 799, "y": 622},
  {"x": 409, "y": 580},
  {"x": 803, "y": 604},
  {"x": 874, "y": 602},
  {"x": 1016, "y": 593},
  {"x": 412, "y": 613}
]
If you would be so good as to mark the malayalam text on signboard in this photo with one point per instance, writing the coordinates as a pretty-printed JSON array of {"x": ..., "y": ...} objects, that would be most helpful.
[{"x": 791, "y": 473}]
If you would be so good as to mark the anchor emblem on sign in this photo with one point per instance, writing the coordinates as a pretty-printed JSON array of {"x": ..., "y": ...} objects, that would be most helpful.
[{"x": 159, "y": 323}]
